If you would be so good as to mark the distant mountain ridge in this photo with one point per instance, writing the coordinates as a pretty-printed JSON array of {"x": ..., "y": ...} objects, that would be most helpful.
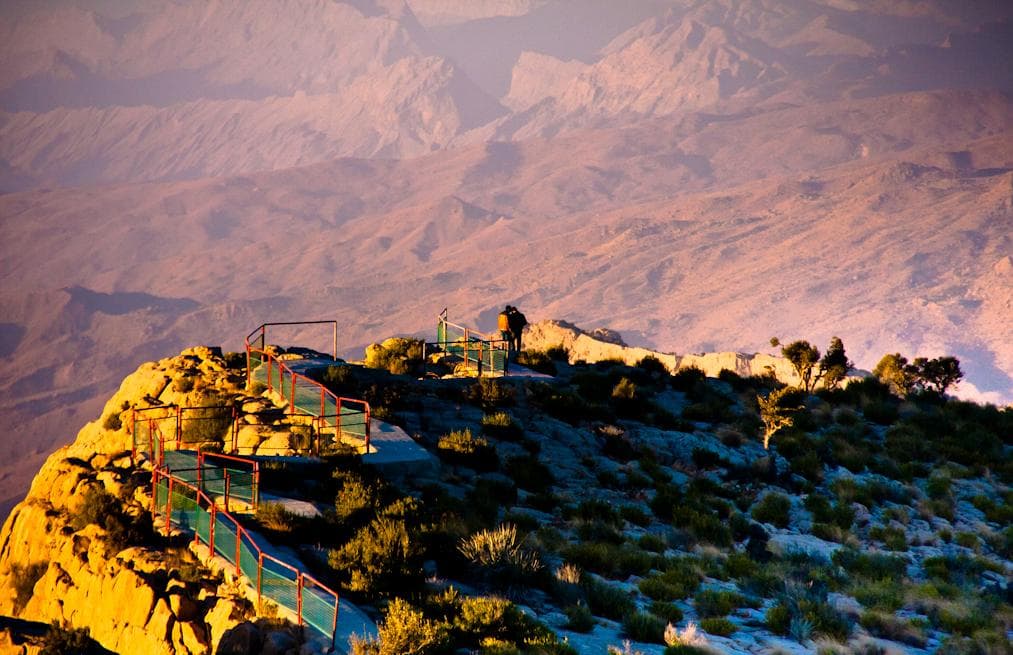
[{"x": 699, "y": 176}]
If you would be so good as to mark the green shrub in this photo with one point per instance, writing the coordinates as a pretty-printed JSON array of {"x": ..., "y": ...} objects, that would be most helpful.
[
  {"x": 883, "y": 594},
  {"x": 636, "y": 516},
  {"x": 558, "y": 353},
  {"x": 275, "y": 518},
  {"x": 712, "y": 602},
  {"x": 778, "y": 619},
  {"x": 685, "y": 379},
  {"x": 938, "y": 486},
  {"x": 703, "y": 526},
  {"x": 501, "y": 426},
  {"x": 653, "y": 365},
  {"x": 122, "y": 530},
  {"x": 887, "y": 626},
  {"x": 668, "y": 612},
  {"x": 528, "y": 473},
  {"x": 397, "y": 355},
  {"x": 579, "y": 618},
  {"x": 652, "y": 542},
  {"x": 481, "y": 617},
  {"x": 112, "y": 421},
  {"x": 739, "y": 565},
  {"x": 641, "y": 626},
  {"x": 354, "y": 497},
  {"x": 382, "y": 558},
  {"x": 490, "y": 393},
  {"x": 69, "y": 641},
  {"x": 23, "y": 580},
  {"x": 405, "y": 629},
  {"x": 893, "y": 538},
  {"x": 606, "y": 600},
  {"x": 461, "y": 447},
  {"x": 773, "y": 508},
  {"x": 871, "y": 566},
  {"x": 500, "y": 556},
  {"x": 609, "y": 560},
  {"x": 719, "y": 626},
  {"x": 537, "y": 360}
]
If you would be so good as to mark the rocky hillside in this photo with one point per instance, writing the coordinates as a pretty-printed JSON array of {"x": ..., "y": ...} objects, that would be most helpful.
[
  {"x": 594, "y": 504},
  {"x": 700, "y": 176},
  {"x": 80, "y": 551}
]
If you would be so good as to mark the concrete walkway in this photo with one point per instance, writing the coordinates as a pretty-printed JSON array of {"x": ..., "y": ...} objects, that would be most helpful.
[{"x": 394, "y": 452}]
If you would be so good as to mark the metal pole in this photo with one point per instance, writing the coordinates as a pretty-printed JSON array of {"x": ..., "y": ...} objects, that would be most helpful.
[{"x": 335, "y": 341}]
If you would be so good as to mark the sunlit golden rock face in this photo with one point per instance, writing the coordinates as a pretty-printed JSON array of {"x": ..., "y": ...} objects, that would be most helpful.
[{"x": 58, "y": 566}]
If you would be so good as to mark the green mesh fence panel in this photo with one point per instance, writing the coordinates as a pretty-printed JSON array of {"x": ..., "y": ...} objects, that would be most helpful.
[
  {"x": 161, "y": 494},
  {"x": 319, "y": 607},
  {"x": 184, "y": 508},
  {"x": 307, "y": 397},
  {"x": 225, "y": 538},
  {"x": 249, "y": 558},
  {"x": 203, "y": 526},
  {"x": 280, "y": 584},
  {"x": 241, "y": 485}
]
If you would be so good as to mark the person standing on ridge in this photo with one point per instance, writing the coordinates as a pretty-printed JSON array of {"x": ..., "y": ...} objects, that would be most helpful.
[
  {"x": 503, "y": 325},
  {"x": 516, "y": 322}
]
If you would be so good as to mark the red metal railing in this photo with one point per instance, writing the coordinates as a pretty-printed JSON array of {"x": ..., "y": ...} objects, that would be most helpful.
[
  {"x": 302, "y": 394},
  {"x": 315, "y": 604}
]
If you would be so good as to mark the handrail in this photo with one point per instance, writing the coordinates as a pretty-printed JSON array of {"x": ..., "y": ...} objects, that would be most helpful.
[
  {"x": 242, "y": 533},
  {"x": 286, "y": 372}
]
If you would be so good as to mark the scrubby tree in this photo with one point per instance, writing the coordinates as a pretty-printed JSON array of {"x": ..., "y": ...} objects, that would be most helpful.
[
  {"x": 803, "y": 357},
  {"x": 835, "y": 364},
  {"x": 939, "y": 373},
  {"x": 777, "y": 411}
]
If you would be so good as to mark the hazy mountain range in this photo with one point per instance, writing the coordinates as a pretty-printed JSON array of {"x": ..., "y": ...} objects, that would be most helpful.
[{"x": 696, "y": 175}]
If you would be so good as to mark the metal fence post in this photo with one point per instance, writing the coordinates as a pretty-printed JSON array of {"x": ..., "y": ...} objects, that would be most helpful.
[{"x": 211, "y": 528}]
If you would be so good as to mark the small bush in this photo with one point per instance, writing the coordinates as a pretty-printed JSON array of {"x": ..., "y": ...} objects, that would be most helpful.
[
  {"x": 69, "y": 641},
  {"x": 645, "y": 627},
  {"x": 406, "y": 630},
  {"x": 887, "y": 626},
  {"x": 112, "y": 421},
  {"x": 893, "y": 538},
  {"x": 579, "y": 618},
  {"x": 773, "y": 508},
  {"x": 397, "y": 355},
  {"x": 609, "y": 560},
  {"x": 652, "y": 542},
  {"x": 500, "y": 556},
  {"x": 537, "y": 360},
  {"x": 274, "y": 517},
  {"x": 686, "y": 378},
  {"x": 528, "y": 473},
  {"x": 461, "y": 447},
  {"x": 871, "y": 566},
  {"x": 501, "y": 426},
  {"x": 719, "y": 626},
  {"x": 778, "y": 619},
  {"x": 606, "y": 600},
  {"x": 382, "y": 558},
  {"x": 712, "y": 603},
  {"x": 669, "y": 612},
  {"x": 23, "y": 580},
  {"x": 490, "y": 393}
]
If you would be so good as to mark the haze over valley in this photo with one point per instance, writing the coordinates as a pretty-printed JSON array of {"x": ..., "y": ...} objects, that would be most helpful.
[{"x": 699, "y": 176}]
